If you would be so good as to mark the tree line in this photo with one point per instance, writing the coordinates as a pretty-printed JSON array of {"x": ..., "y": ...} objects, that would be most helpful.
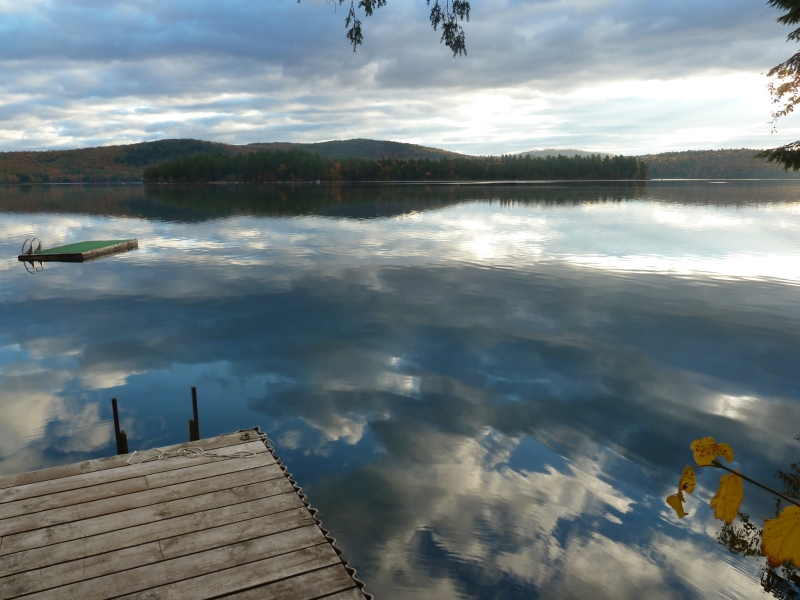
[
  {"x": 299, "y": 166},
  {"x": 92, "y": 165},
  {"x": 722, "y": 164}
]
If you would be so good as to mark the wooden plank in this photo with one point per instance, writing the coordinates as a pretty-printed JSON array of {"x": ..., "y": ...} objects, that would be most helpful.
[
  {"x": 139, "y": 516},
  {"x": 136, "y": 556},
  {"x": 215, "y": 537},
  {"x": 71, "y": 550},
  {"x": 71, "y": 572},
  {"x": 178, "y": 528},
  {"x": 187, "y": 567},
  {"x": 112, "y": 462},
  {"x": 29, "y": 506},
  {"x": 78, "y": 512},
  {"x": 212, "y": 469},
  {"x": 303, "y": 587},
  {"x": 54, "y": 486},
  {"x": 127, "y": 486},
  {"x": 236, "y": 578}
]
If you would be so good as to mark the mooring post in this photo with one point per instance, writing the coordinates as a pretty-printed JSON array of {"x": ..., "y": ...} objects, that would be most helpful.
[
  {"x": 119, "y": 435},
  {"x": 194, "y": 424}
]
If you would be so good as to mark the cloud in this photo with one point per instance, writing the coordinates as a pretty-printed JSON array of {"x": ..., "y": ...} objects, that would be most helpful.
[
  {"x": 80, "y": 73},
  {"x": 469, "y": 529},
  {"x": 39, "y": 426},
  {"x": 595, "y": 358},
  {"x": 470, "y": 409}
]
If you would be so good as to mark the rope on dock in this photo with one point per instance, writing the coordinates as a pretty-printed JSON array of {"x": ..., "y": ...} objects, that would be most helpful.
[
  {"x": 192, "y": 452},
  {"x": 255, "y": 432}
]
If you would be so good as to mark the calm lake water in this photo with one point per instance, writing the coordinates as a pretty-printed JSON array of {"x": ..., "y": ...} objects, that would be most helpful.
[{"x": 487, "y": 391}]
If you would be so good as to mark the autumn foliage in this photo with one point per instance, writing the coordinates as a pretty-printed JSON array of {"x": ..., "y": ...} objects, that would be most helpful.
[
  {"x": 94, "y": 165},
  {"x": 780, "y": 541}
]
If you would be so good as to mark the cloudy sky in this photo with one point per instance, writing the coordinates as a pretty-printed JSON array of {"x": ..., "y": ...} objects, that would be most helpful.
[{"x": 630, "y": 76}]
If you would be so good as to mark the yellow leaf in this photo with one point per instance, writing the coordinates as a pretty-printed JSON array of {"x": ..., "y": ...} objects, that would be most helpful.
[
  {"x": 704, "y": 450},
  {"x": 726, "y": 451},
  {"x": 728, "y": 498},
  {"x": 781, "y": 539},
  {"x": 707, "y": 449},
  {"x": 688, "y": 480},
  {"x": 676, "y": 502}
]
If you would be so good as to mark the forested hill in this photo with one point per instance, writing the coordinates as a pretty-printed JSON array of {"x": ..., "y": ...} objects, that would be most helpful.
[
  {"x": 359, "y": 148},
  {"x": 698, "y": 164},
  {"x": 298, "y": 165},
  {"x": 105, "y": 163},
  {"x": 127, "y": 163},
  {"x": 714, "y": 164}
]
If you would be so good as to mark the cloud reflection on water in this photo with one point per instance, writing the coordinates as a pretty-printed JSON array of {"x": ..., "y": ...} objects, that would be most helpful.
[{"x": 475, "y": 415}]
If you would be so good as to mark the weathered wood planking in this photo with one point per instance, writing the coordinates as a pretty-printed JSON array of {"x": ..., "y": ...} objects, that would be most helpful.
[
  {"x": 113, "y": 462},
  {"x": 101, "y": 543},
  {"x": 183, "y": 527},
  {"x": 97, "y": 478},
  {"x": 30, "y": 506},
  {"x": 166, "y": 510}
]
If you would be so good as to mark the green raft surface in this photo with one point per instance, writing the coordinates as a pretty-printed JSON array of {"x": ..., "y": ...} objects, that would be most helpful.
[
  {"x": 81, "y": 247},
  {"x": 81, "y": 251}
]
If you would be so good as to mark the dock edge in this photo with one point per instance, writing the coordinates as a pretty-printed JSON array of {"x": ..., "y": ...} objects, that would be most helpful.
[{"x": 256, "y": 431}]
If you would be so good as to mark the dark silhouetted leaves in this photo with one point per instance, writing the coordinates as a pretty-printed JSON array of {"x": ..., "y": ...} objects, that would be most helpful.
[
  {"x": 446, "y": 15},
  {"x": 744, "y": 540},
  {"x": 785, "y": 87}
]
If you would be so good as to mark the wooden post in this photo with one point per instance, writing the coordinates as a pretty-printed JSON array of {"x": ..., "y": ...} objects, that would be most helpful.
[
  {"x": 194, "y": 424},
  {"x": 119, "y": 435}
]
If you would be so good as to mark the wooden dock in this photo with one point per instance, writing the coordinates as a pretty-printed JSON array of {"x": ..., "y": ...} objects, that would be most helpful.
[
  {"x": 206, "y": 525},
  {"x": 79, "y": 251}
]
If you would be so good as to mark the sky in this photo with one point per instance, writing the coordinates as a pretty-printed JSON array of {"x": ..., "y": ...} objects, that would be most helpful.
[{"x": 623, "y": 76}]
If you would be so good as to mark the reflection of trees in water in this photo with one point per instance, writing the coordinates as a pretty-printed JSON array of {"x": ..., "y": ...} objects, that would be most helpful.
[
  {"x": 373, "y": 201},
  {"x": 744, "y": 538},
  {"x": 193, "y": 203},
  {"x": 361, "y": 201}
]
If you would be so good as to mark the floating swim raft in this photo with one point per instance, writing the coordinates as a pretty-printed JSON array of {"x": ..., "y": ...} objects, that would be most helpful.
[
  {"x": 79, "y": 251},
  {"x": 217, "y": 517}
]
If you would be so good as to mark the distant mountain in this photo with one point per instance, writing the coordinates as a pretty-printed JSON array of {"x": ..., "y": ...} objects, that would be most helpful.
[
  {"x": 562, "y": 152},
  {"x": 358, "y": 148},
  {"x": 714, "y": 164},
  {"x": 102, "y": 164},
  {"x": 127, "y": 163},
  {"x": 696, "y": 164}
]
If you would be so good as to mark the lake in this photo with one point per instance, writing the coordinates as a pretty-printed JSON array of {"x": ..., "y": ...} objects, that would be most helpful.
[{"x": 487, "y": 391}]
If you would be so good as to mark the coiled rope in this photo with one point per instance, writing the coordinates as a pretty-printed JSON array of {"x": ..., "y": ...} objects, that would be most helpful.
[{"x": 191, "y": 452}]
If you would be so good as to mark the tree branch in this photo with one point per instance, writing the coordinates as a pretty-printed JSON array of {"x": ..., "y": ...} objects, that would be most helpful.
[{"x": 719, "y": 465}]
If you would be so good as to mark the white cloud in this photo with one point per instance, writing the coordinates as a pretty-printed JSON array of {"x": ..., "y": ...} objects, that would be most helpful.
[
  {"x": 33, "y": 414},
  {"x": 528, "y": 514},
  {"x": 611, "y": 76}
]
